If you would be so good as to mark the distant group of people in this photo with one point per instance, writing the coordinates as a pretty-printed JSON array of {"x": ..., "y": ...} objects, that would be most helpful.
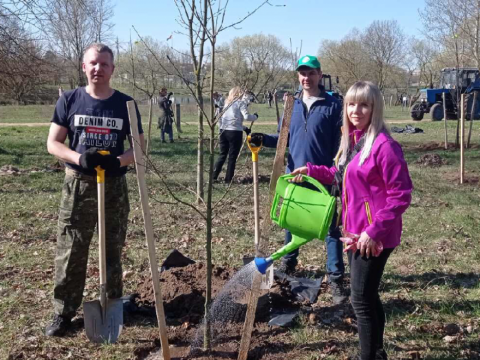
[{"x": 348, "y": 148}]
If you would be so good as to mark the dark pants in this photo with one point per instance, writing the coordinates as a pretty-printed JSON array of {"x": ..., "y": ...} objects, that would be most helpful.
[
  {"x": 167, "y": 128},
  {"x": 335, "y": 266},
  {"x": 365, "y": 276},
  {"x": 76, "y": 225},
  {"x": 230, "y": 144}
]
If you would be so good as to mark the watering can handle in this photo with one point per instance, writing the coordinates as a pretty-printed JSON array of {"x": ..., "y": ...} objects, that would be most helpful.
[{"x": 310, "y": 180}]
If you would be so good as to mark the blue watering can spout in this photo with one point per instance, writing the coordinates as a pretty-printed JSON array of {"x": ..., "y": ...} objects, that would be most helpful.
[{"x": 262, "y": 264}]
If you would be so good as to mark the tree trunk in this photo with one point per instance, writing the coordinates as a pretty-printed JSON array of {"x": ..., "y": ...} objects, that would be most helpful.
[
  {"x": 208, "y": 245},
  {"x": 200, "y": 151}
]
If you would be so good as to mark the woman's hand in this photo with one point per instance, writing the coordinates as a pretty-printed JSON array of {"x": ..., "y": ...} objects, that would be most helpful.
[
  {"x": 299, "y": 172},
  {"x": 367, "y": 246}
]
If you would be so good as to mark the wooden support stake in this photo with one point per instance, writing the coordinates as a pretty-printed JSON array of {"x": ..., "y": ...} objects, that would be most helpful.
[
  {"x": 178, "y": 118},
  {"x": 462, "y": 133},
  {"x": 458, "y": 123},
  {"x": 278, "y": 169},
  {"x": 445, "y": 119},
  {"x": 276, "y": 106},
  {"x": 472, "y": 117},
  {"x": 250, "y": 316},
  {"x": 142, "y": 188}
]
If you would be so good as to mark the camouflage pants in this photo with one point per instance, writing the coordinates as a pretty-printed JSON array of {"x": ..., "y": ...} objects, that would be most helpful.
[{"x": 77, "y": 219}]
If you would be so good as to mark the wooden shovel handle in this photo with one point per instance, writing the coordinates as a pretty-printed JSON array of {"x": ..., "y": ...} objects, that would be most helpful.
[
  {"x": 102, "y": 257},
  {"x": 142, "y": 187}
]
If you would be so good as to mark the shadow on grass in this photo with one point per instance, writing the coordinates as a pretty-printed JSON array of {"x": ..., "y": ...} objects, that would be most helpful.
[
  {"x": 429, "y": 279},
  {"x": 400, "y": 307}
]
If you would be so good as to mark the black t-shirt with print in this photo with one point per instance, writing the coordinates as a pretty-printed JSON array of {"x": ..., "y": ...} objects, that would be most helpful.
[{"x": 95, "y": 123}]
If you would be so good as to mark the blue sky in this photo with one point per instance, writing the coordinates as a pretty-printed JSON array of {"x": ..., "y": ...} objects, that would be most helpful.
[{"x": 309, "y": 21}]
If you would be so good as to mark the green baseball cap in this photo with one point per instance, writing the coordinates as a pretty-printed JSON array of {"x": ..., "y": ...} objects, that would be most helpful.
[{"x": 308, "y": 61}]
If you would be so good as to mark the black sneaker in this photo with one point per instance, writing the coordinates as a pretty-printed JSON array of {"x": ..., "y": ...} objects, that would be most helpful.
[
  {"x": 339, "y": 294},
  {"x": 381, "y": 355},
  {"x": 59, "y": 326}
]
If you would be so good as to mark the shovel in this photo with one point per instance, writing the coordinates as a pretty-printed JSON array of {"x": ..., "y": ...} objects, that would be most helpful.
[{"x": 104, "y": 318}]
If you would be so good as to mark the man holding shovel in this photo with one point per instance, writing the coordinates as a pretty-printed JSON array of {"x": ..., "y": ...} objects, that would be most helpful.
[
  {"x": 314, "y": 137},
  {"x": 93, "y": 118}
]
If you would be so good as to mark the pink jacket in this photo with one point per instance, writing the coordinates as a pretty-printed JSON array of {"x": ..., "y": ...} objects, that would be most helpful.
[{"x": 376, "y": 194}]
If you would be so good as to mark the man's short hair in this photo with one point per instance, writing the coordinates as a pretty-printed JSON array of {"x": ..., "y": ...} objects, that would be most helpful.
[{"x": 99, "y": 47}]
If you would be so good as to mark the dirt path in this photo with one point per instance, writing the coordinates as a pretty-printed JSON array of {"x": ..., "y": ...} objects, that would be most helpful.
[{"x": 404, "y": 121}]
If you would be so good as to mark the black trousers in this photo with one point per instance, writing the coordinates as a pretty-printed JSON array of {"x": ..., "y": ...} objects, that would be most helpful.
[
  {"x": 230, "y": 144},
  {"x": 365, "y": 276}
]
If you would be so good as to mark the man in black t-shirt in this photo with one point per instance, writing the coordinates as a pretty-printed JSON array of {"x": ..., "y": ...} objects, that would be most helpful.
[{"x": 93, "y": 118}]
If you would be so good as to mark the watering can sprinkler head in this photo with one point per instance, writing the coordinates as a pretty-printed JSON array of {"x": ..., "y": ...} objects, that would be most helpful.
[{"x": 262, "y": 264}]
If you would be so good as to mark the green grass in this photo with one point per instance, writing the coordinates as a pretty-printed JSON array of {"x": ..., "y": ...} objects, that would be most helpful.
[
  {"x": 43, "y": 113},
  {"x": 431, "y": 280}
]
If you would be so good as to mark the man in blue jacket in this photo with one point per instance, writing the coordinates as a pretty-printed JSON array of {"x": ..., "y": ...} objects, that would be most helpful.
[{"x": 314, "y": 137}]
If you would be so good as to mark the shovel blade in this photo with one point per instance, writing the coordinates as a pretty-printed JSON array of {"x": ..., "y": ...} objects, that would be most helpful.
[{"x": 100, "y": 329}]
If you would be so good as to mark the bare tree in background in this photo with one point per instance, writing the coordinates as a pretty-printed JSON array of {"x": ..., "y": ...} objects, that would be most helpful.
[
  {"x": 384, "y": 42},
  {"x": 454, "y": 26},
  {"x": 141, "y": 69},
  {"x": 346, "y": 58},
  {"x": 424, "y": 55},
  {"x": 24, "y": 69},
  {"x": 102, "y": 12},
  {"x": 257, "y": 61},
  {"x": 72, "y": 25}
]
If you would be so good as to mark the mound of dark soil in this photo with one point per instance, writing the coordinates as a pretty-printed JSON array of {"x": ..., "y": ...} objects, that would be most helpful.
[
  {"x": 248, "y": 179},
  {"x": 431, "y": 160},
  {"x": 183, "y": 290}
]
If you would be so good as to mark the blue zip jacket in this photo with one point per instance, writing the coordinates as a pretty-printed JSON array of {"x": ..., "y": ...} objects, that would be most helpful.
[{"x": 314, "y": 135}]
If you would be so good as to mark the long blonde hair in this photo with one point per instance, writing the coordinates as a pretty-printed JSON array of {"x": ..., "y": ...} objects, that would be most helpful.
[
  {"x": 235, "y": 93},
  {"x": 362, "y": 92}
]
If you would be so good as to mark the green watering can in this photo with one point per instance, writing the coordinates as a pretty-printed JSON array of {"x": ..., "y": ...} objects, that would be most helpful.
[{"x": 306, "y": 213}]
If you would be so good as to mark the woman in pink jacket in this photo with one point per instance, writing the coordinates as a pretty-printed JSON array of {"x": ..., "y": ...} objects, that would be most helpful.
[{"x": 376, "y": 190}]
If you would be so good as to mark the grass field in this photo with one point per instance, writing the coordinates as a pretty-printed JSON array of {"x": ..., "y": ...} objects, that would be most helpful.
[
  {"x": 431, "y": 280},
  {"x": 43, "y": 113}
]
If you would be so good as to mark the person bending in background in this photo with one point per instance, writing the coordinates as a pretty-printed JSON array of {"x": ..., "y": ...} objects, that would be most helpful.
[
  {"x": 231, "y": 132},
  {"x": 376, "y": 190}
]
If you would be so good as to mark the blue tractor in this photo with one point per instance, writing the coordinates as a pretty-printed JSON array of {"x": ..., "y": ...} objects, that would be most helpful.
[
  {"x": 452, "y": 82},
  {"x": 327, "y": 83}
]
